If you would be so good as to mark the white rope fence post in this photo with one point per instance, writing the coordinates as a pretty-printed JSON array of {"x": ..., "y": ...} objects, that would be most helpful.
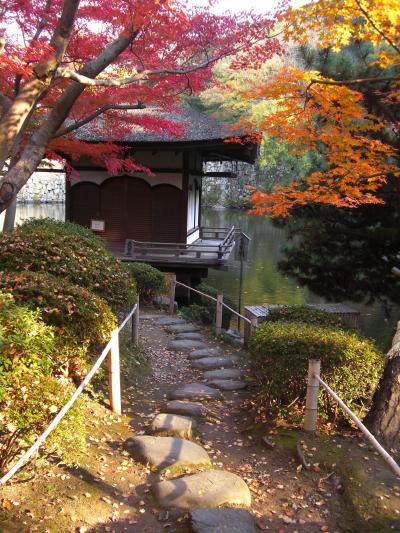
[
  {"x": 172, "y": 295},
  {"x": 218, "y": 314},
  {"x": 114, "y": 380},
  {"x": 311, "y": 414},
  {"x": 135, "y": 325}
]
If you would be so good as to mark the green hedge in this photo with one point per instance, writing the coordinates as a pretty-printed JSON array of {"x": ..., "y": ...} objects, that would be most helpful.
[
  {"x": 81, "y": 318},
  {"x": 71, "y": 252},
  {"x": 150, "y": 281},
  {"x": 31, "y": 358},
  {"x": 304, "y": 313},
  {"x": 279, "y": 353}
]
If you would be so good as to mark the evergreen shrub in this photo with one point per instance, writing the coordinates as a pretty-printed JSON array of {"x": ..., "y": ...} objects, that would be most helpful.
[
  {"x": 71, "y": 252},
  {"x": 150, "y": 281},
  {"x": 279, "y": 354},
  {"x": 304, "y": 313}
]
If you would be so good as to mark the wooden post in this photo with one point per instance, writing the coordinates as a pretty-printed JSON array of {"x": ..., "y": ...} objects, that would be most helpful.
[
  {"x": 218, "y": 315},
  {"x": 249, "y": 329},
  {"x": 172, "y": 295},
  {"x": 114, "y": 385},
  {"x": 311, "y": 414},
  {"x": 135, "y": 326}
]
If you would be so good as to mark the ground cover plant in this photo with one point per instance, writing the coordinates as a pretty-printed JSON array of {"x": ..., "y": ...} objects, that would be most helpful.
[
  {"x": 150, "y": 281},
  {"x": 279, "y": 354},
  {"x": 69, "y": 252}
]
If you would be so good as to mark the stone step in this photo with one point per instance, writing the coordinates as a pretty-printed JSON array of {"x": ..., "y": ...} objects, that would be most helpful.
[
  {"x": 212, "y": 363},
  {"x": 163, "y": 452},
  {"x": 185, "y": 408},
  {"x": 182, "y": 328},
  {"x": 207, "y": 489},
  {"x": 223, "y": 373},
  {"x": 191, "y": 335},
  {"x": 195, "y": 392},
  {"x": 170, "y": 425},
  {"x": 169, "y": 321},
  {"x": 206, "y": 352},
  {"x": 183, "y": 345},
  {"x": 224, "y": 520},
  {"x": 227, "y": 384},
  {"x": 149, "y": 317}
]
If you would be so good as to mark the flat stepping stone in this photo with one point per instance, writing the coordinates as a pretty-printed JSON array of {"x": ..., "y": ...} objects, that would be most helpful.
[
  {"x": 222, "y": 521},
  {"x": 191, "y": 335},
  {"x": 148, "y": 317},
  {"x": 212, "y": 363},
  {"x": 169, "y": 321},
  {"x": 162, "y": 452},
  {"x": 196, "y": 392},
  {"x": 185, "y": 408},
  {"x": 207, "y": 489},
  {"x": 171, "y": 425},
  {"x": 182, "y": 345},
  {"x": 206, "y": 352},
  {"x": 182, "y": 328},
  {"x": 227, "y": 384},
  {"x": 223, "y": 373}
]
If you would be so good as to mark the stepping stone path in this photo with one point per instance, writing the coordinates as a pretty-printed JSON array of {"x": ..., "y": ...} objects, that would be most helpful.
[
  {"x": 182, "y": 345},
  {"x": 223, "y": 373},
  {"x": 200, "y": 493},
  {"x": 163, "y": 452},
  {"x": 211, "y": 363},
  {"x": 195, "y": 391},
  {"x": 222, "y": 521},
  {"x": 171, "y": 425},
  {"x": 207, "y": 489}
]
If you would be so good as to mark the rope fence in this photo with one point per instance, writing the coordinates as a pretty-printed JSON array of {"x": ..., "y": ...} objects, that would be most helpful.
[
  {"x": 111, "y": 349},
  {"x": 219, "y": 302},
  {"x": 311, "y": 413}
]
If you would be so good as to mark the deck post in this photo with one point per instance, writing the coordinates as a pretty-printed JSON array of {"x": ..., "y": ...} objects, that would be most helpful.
[
  {"x": 114, "y": 385},
  {"x": 172, "y": 295},
  {"x": 249, "y": 330},
  {"x": 135, "y": 325},
  {"x": 311, "y": 413},
  {"x": 218, "y": 315}
]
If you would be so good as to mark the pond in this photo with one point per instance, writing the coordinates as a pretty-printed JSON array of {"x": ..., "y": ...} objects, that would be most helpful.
[{"x": 263, "y": 283}]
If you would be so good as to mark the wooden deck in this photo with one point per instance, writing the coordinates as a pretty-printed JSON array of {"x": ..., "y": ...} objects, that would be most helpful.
[{"x": 212, "y": 249}]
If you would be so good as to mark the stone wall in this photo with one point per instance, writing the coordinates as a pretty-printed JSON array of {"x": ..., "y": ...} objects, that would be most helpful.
[
  {"x": 228, "y": 192},
  {"x": 43, "y": 187}
]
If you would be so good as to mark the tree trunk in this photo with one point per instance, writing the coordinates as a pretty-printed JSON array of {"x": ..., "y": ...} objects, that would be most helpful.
[
  {"x": 9, "y": 219},
  {"x": 383, "y": 419}
]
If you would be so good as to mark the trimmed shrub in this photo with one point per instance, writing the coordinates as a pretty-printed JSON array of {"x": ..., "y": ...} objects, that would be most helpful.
[
  {"x": 280, "y": 351},
  {"x": 66, "y": 250},
  {"x": 81, "y": 318},
  {"x": 304, "y": 313},
  {"x": 150, "y": 281}
]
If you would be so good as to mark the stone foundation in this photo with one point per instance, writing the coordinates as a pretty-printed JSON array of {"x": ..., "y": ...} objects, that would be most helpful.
[{"x": 43, "y": 188}]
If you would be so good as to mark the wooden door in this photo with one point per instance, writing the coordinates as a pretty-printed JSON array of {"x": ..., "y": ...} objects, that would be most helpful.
[
  {"x": 84, "y": 203},
  {"x": 166, "y": 213}
]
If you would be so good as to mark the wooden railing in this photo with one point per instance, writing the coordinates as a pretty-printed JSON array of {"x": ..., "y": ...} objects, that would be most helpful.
[
  {"x": 172, "y": 251},
  {"x": 219, "y": 305}
]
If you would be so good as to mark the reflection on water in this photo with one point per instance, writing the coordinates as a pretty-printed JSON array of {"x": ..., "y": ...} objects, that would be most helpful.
[{"x": 263, "y": 283}]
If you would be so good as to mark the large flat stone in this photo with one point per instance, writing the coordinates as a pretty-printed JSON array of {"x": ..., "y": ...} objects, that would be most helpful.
[
  {"x": 211, "y": 363},
  {"x": 206, "y": 352},
  {"x": 223, "y": 373},
  {"x": 182, "y": 328},
  {"x": 227, "y": 384},
  {"x": 162, "y": 452},
  {"x": 191, "y": 335},
  {"x": 207, "y": 489},
  {"x": 170, "y": 425},
  {"x": 169, "y": 321},
  {"x": 196, "y": 392},
  {"x": 222, "y": 521},
  {"x": 185, "y": 408},
  {"x": 183, "y": 345}
]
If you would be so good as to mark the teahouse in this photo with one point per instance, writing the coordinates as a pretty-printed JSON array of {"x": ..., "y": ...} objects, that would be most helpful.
[{"x": 157, "y": 219}]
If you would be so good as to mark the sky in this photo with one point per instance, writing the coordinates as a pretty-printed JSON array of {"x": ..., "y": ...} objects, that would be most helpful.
[{"x": 259, "y": 6}]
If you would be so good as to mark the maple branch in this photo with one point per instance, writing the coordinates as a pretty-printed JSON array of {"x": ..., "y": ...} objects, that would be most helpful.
[
  {"x": 368, "y": 17},
  {"x": 89, "y": 118},
  {"x": 140, "y": 76},
  {"x": 353, "y": 82}
]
